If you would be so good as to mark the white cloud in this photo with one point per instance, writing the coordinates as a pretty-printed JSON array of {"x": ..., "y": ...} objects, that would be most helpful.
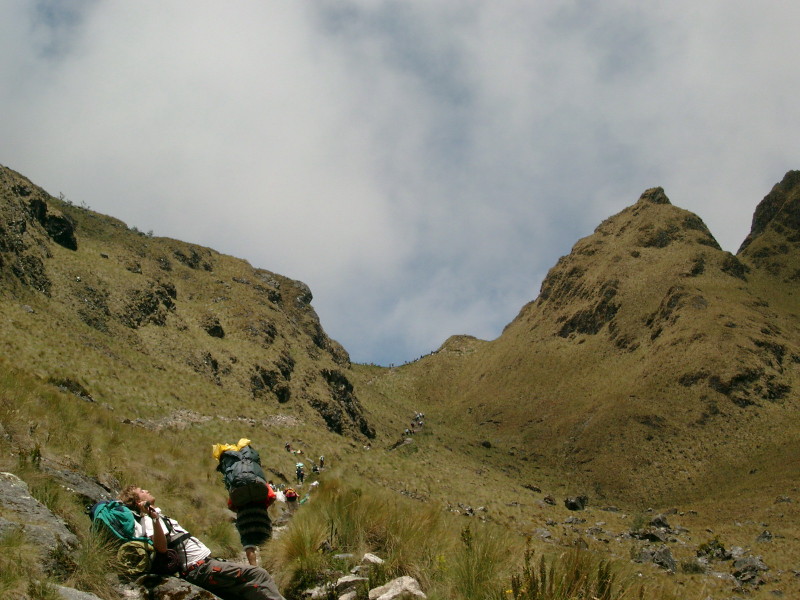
[{"x": 420, "y": 165}]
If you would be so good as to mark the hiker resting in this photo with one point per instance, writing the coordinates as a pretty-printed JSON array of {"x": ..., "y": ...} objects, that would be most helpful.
[{"x": 228, "y": 580}]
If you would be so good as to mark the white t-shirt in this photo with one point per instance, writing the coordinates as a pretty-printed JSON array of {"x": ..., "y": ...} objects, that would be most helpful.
[{"x": 190, "y": 550}]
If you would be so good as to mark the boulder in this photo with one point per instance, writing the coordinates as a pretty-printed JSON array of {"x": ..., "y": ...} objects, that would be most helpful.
[
  {"x": 658, "y": 555},
  {"x": 40, "y": 525},
  {"x": 576, "y": 502},
  {"x": 89, "y": 490},
  {"x": 371, "y": 559},
  {"x": 659, "y": 521},
  {"x": 402, "y": 587},
  {"x": 349, "y": 583},
  {"x": 747, "y": 570},
  {"x": 73, "y": 594},
  {"x": 173, "y": 588}
]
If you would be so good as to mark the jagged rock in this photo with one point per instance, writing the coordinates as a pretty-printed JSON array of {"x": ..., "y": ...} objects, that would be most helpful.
[
  {"x": 31, "y": 272},
  {"x": 59, "y": 227},
  {"x": 549, "y": 500},
  {"x": 349, "y": 582},
  {"x": 713, "y": 550},
  {"x": 193, "y": 260},
  {"x": 654, "y": 195},
  {"x": 212, "y": 327},
  {"x": 660, "y": 556},
  {"x": 39, "y": 524},
  {"x": 777, "y": 211},
  {"x": 173, "y": 588},
  {"x": 574, "y": 521},
  {"x": 349, "y": 595},
  {"x": 275, "y": 381},
  {"x": 402, "y": 587},
  {"x": 73, "y": 594},
  {"x": 747, "y": 570},
  {"x": 659, "y": 521},
  {"x": 150, "y": 305},
  {"x": 371, "y": 559},
  {"x": 87, "y": 489},
  {"x": 651, "y": 534},
  {"x": 765, "y": 536},
  {"x": 344, "y": 407},
  {"x": 576, "y": 502}
]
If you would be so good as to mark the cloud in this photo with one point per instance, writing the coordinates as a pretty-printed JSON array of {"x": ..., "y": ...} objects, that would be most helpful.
[{"x": 420, "y": 165}]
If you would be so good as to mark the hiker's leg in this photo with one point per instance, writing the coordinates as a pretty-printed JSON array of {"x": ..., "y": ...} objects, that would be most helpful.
[
  {"x": 234, "y": 581},
  {"x": 251, "y": 556}
]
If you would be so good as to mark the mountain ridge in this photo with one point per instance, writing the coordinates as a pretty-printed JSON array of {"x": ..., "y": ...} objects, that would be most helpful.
[{"x": 646, "y": 335}]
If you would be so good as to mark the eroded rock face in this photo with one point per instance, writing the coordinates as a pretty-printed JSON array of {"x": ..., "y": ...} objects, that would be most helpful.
[
  {"x": 21, "y": 511},
  {"x": 773, "y": 244},
  {"x": 59, "y": 227},
  {"x": 344, "y": 407},
  {"x": 149, "y": 305}
]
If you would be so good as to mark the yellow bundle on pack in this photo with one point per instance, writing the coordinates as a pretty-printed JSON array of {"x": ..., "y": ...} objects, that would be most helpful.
[{"x": 218, "y": 449}]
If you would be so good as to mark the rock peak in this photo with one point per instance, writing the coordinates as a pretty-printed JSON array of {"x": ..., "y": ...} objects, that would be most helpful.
[
  {"x": 779, "y": 211},
  {"x": 654, "y": 195}
]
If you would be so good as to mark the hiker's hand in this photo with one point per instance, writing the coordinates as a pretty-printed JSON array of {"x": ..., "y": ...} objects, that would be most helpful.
[{"x": 148, "y": 509}]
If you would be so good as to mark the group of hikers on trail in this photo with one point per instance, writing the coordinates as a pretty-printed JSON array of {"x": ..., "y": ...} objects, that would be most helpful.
[
  {"x": 151, "y": 542},
  {"x": 416, "y": 423},
  {"x": 300, "y": 468}
]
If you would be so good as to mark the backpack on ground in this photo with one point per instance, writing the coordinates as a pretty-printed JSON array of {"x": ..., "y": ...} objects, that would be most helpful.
[
  {"x": 117, "y": 522},
  {"x": 243, "y": 476}
]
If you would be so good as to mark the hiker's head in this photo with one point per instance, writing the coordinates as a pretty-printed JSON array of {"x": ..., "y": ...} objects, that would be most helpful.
[{"x": 132, "y": 495}]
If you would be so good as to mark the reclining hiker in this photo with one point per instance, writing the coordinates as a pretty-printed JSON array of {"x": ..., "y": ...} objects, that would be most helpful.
[
  {"x": 228, "y": 580},
  {"x": 249, "y": 494}
]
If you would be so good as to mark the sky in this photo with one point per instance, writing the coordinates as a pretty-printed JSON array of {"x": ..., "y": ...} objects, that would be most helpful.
[{"x": 420, "y": 164}]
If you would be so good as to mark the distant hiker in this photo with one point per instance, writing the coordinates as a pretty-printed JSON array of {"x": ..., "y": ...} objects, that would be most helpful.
[
  {"x": 321, "y": 462},
  {"x": 287, "y": 447},
  {"x": 291, "y": 499},
  {"x": 228, "y": 580},
  {"x": 314, "y": 468},
  {"x": 300, "y": 473},
  {"x": 249, "y": 494}
]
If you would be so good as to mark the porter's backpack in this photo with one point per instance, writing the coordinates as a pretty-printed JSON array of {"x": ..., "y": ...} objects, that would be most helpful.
[{"x": 243, "y": 476}]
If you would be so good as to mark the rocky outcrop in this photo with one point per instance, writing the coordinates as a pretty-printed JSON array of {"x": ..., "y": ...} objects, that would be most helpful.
[
  {"x": 773, "y": 244},
  {"x": 149, "y": 305},
  {"x": 39, "y": 525},
  {"x": 343, "y": 407},
  {"x": 402, "y": 587}
]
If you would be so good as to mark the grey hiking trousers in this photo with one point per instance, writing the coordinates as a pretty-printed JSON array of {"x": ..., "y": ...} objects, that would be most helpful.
[{"x": 234, "y": 581}]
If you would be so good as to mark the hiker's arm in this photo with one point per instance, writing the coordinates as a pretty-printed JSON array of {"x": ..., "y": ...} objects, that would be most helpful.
[{"x": 159, "y": 537}]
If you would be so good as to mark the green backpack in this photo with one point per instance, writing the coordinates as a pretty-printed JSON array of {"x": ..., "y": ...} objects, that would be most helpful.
[{"x": 135, "y": 555}]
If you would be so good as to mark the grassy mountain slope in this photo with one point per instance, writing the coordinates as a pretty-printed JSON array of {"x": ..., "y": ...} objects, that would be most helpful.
[
  {"x": 150, "y": 325},
  {"x": 653, "y": 368}
]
